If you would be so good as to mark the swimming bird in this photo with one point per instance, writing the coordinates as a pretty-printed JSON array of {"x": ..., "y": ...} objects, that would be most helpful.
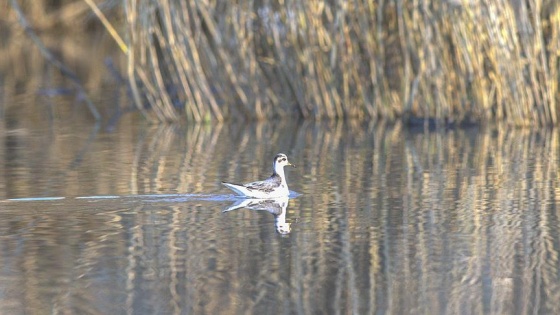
[{"x": 272, "y": 187}]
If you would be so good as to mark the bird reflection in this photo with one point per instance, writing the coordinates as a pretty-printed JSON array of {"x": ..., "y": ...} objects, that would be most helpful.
[{"x": 277, "y": 206}]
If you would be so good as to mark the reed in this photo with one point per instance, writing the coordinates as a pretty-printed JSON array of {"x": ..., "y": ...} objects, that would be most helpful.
[
  {"x": 450, "y": 61},
  {"x": 454, "y": 61}
]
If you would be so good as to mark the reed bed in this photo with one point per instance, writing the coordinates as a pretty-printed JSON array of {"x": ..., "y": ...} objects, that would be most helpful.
[
  {"x": 453, "y": 61},
  {"x": 449, "y": 61}
]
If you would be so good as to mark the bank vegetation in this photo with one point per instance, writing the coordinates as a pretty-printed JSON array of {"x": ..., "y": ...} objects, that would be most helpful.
[{"x": 450, "y": 61}]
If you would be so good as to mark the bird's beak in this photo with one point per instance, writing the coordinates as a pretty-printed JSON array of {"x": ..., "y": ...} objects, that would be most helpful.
[{"x": 292, "y": 165}]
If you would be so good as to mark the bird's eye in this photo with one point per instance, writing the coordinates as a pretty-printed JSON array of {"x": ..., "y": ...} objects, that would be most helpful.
[{"x": 284, "y": 159}]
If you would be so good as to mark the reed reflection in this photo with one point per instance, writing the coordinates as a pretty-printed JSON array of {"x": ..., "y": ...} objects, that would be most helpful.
[
  {"x": 389, "y": 221},
  {"x": 276, "y": 206}
]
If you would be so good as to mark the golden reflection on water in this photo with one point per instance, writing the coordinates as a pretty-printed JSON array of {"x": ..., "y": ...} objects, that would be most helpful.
[{"x": 389, "y": 220}]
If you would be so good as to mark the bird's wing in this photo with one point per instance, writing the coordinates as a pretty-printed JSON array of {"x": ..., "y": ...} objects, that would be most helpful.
[{"x": 266, "y": 185}]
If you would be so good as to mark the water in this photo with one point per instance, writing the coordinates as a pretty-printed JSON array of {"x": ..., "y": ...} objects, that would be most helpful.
[{"x": 387, "y": 220}]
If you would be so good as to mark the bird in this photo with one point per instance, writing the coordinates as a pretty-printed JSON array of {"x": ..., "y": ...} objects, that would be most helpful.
[{"x": 273, "y": 187}]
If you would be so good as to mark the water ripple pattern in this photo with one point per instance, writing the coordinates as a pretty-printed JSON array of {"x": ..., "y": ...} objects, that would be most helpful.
[{"x": 382, "y": 220}]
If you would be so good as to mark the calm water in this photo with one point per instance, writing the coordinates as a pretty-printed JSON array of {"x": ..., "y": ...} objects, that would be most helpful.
[{"x": 388, "y": 220}]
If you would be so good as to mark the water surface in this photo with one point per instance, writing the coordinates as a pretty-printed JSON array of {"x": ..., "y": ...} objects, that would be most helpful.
[{"x": 388, "y": 220}]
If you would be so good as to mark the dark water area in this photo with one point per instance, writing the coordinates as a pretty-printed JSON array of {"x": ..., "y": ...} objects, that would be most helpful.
[{"x": 387, "y": 220}]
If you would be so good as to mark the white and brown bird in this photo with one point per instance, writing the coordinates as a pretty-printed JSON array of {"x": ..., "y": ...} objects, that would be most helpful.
[{"x": 273, "y": 187}]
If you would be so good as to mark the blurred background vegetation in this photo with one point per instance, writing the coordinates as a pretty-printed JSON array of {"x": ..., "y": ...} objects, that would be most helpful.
[{"x": 451, "y": 61}]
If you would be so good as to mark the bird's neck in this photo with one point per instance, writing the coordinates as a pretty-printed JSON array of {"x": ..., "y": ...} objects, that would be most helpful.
[{"x": 279, "y": 170}]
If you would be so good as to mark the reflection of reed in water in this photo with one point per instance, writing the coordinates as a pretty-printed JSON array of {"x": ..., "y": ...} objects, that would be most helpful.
[
  {"x": 391, "y": 222},
  {"x": 169, "y": 159},
  {"x": 276, "y": 206},
  {"x": 393, "y": 213},
  {"x": 420, "y": 207}
]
